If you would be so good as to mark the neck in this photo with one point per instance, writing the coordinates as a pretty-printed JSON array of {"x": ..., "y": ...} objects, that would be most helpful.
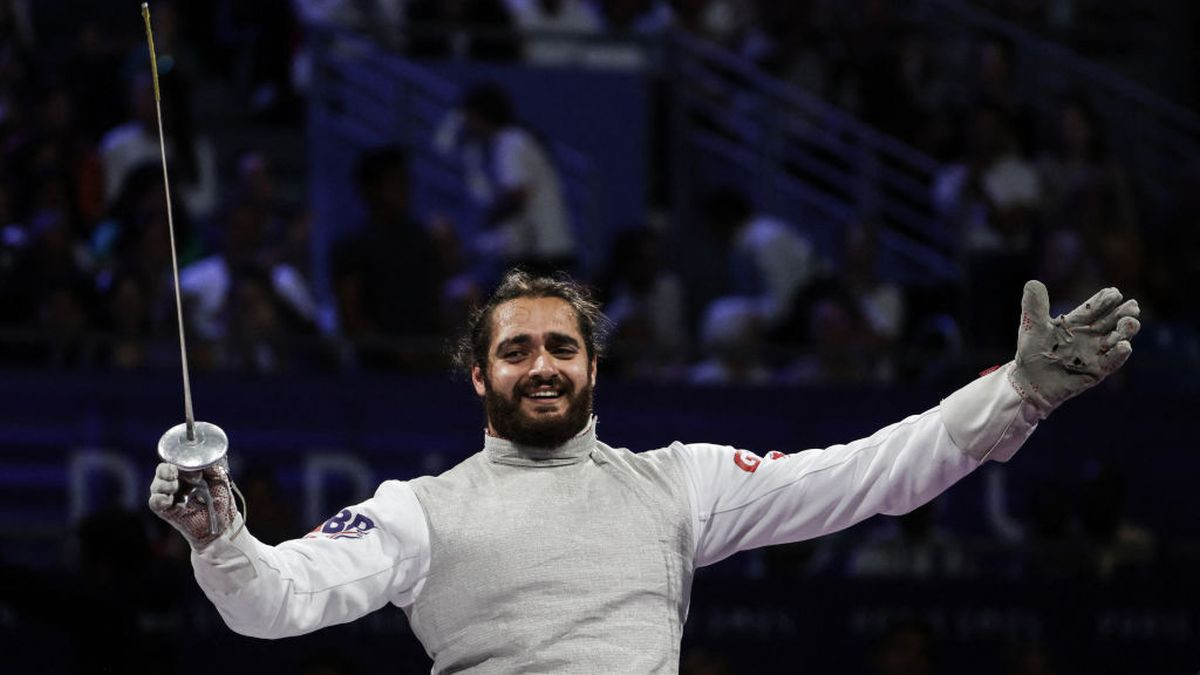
[{"x": 575, "y": 450}]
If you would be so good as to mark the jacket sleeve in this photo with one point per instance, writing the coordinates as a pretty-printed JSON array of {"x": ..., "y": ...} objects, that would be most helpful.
[
  {"x": 741, "y": 501},
  {"x": 364, "y": 557}
]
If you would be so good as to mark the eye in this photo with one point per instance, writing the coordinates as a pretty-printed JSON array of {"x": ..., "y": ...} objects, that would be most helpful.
[
  {"x": 512, "y": 354},
  {"x": 565, "y": 352}
]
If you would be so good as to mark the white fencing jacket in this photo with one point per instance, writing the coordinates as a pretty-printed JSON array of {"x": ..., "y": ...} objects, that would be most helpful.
[{"x": 579, "y": 559}]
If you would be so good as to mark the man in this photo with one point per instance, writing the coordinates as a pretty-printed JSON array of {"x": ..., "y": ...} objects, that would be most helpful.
[
  {"x": 550, "y": 551},
  {"x": 770, "y": 261},
  {"x": 512, "y": 174},
  {"x": 388, "y": 274}
]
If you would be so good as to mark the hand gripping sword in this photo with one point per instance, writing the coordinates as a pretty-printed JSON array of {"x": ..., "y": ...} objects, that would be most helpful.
[{"x": 192, "y": 446}]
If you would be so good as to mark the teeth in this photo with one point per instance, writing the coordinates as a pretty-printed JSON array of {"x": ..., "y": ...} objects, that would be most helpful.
[{"x": 544, "y": 394}]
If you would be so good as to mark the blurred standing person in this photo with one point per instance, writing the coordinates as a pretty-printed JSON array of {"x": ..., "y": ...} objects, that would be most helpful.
[
  {"x": 646, "y": 307},
  {"x": 134, "y": 143},
  {"x": 1077, "y": 160},
  {"x": 771, "y": 261},
  {"x": 881, "y": 302},
  {"x": 992, "y": 194},
  {"x": 731, "y": 339},
  {"x": 388, "y": 276},
  {"x": 214, "y": 286},
  {"x": 992, "y": 198},
  {"x": 512, "y": 173}
]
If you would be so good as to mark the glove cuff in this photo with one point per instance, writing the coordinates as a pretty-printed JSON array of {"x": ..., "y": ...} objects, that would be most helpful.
[{"x": 988, "y": 419}]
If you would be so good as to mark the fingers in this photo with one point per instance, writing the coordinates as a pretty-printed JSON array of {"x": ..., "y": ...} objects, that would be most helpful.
[
  {"x": 1127, "y": 327},
  {"x": 1115, "y": 357},
  {"x": 1035, "y": 305},
  {"x": 160, "y": 503},
  {"x": 164, "y": 487},
  {"x": 1096, "y": 307},
  {"x": 166, "y": 471},
  {"x": 1109, "y": 322}
]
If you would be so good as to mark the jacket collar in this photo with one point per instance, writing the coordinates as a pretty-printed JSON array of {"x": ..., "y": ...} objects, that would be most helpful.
[{"x": 575, "y": 450}]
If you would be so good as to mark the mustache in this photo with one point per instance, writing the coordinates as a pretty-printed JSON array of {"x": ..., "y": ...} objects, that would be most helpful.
[{"x": 527, "y": 387}]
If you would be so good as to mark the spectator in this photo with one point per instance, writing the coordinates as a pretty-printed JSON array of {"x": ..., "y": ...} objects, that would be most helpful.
[
  {"x": 127, "y": 322},
  {"x": 731, "y": 337},
  {"x": 993, "y": 81},
  {"x": 260, "y": 331},
  {"x": 64, "y": 317},
  {"x": 646, "y": 305},
  {"x": 260, "y": 35},
  {"x": 243, "y": 261},
  {"x": 289, "y": 246},
  {"x": 625, "y": 24},
  {"x": 840, "y": 347},
  {"x": 132, "y": 246},
  {"x": 1077, "y": 161},
  {"x": 556, "y": 31},
  {"x": 722, "y": 21},
  {"x": 770, "y": 261},
  {"x": 1067, "y": 270},
  {"x": 136, "y": 142},
  {"x": 881, "y": 302},
  {"x": 991, "y": 197},
  {"x": 512, "y": 174},
  {"x": 479, "y": 30},
  {"x": 388, "y": 278},
  {"x": 52, "y": 159},
  {"x": 789, "y": 44},
  {"x": 992, "y": 194}
]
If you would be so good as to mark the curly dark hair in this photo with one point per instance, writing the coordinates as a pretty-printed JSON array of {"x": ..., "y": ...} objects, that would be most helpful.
[{"x": 471, "y": 349}]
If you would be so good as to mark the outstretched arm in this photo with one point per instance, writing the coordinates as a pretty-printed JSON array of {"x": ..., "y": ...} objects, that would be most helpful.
[
  {"x": 366, "y": 556},
  {"x": 741, "y": 501}
]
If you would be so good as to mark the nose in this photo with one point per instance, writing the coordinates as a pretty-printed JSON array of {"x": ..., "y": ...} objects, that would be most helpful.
[{"x": 543, "y": 366}]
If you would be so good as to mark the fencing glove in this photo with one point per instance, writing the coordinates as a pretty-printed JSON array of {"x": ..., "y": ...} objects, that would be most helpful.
[
  {"x": 1059, "y": 358},
  {"x": 192, "y": 516}
]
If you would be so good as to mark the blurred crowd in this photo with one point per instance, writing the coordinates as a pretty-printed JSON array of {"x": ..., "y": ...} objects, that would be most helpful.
[
  {"x": 1030, "y": 188},
  {"x": 1033, "y": 189}
]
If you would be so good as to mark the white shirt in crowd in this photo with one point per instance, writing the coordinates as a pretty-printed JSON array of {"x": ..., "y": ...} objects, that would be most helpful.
[
  {"x": 783, "y": 259},
  {"x": 575, "y": 20},
  {"x": 516, "y": 160}
]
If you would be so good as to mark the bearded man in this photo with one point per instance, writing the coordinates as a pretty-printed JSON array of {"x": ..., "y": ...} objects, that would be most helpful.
[{"x": 550, "y": 551}]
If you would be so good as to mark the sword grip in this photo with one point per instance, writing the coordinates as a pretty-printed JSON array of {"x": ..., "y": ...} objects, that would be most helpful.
[{"x": 199, "y": 492}]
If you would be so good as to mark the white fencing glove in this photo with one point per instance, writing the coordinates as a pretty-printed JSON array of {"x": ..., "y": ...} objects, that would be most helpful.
[
  {"x": 191, "y": 516},
  {"x": 1060, "y": 358}
]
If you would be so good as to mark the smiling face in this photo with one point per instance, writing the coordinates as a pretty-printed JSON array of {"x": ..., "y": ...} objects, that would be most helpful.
[{"x": 537, "y": 382}]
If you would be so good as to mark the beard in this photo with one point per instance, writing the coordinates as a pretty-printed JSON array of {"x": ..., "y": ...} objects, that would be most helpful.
[{"x": 514, "y": 424}]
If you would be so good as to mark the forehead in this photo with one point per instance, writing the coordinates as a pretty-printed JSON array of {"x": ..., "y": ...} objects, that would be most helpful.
[{"x": 533, "y": 316}]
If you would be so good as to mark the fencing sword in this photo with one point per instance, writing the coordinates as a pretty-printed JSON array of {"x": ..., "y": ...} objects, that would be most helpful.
[{"x": 192, "y": 446}]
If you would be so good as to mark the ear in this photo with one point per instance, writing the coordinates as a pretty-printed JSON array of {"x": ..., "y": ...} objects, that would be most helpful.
[
  {"x": 594, "y": 363},
  {"x": 477, "y": 380}
]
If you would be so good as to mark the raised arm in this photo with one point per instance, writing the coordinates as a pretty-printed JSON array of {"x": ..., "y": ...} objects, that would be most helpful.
[
  {"x": 364, "y": 557},
  {"x": 741, "y": 501}
]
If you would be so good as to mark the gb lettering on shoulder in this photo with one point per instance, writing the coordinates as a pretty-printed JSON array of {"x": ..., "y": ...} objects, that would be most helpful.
[{"x": 345, "y": 525}]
